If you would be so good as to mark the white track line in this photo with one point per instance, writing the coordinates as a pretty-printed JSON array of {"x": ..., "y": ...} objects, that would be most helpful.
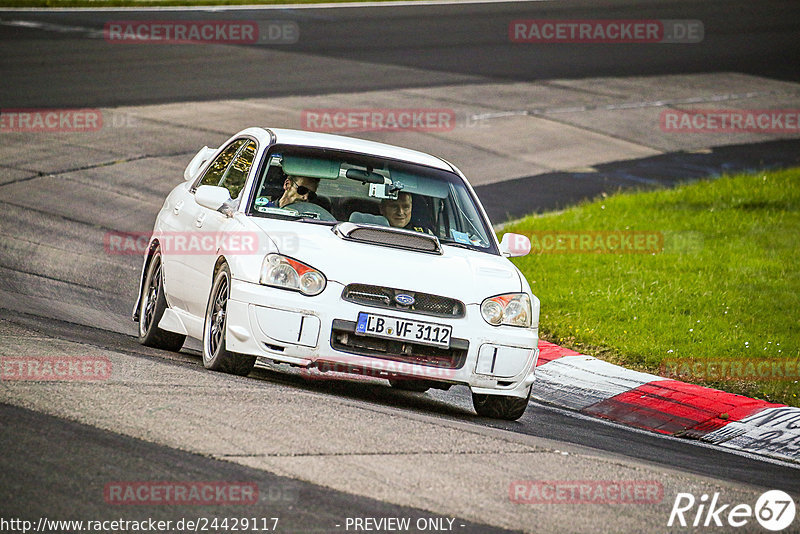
[{"x": 254, "y": 7}]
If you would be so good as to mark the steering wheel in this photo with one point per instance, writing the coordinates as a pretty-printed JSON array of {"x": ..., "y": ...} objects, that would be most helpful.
[{"x": 318, "y": 212}]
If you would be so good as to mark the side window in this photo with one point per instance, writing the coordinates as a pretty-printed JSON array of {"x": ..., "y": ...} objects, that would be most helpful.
[
  {"x": 236, "y": 175},
  {"x": 216, "y": 171}
]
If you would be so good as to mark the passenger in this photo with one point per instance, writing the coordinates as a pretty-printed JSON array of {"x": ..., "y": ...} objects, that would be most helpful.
[{"x": 398, "y": 213}]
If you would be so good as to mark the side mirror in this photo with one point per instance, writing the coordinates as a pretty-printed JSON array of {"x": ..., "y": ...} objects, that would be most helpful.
[
  {"x": 515, "y": 245},
  {"x": 211, "y": 196},
  {"x": 197, "y": 161}
]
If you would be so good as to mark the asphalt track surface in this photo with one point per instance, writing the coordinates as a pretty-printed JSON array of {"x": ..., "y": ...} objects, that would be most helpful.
[
  {"x": 80, "y": 479},
  {"x": 443, "y": 44}
]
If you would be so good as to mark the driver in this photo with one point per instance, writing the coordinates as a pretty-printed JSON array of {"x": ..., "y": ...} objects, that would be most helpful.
[
  {"x": 398, "y": 213},
  {"x": 296, "y": 189}
]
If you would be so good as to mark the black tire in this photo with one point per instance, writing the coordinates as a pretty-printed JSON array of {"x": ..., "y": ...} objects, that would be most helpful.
[
  {"x": 500, "y": 406},
  {"x": 418, "y": 386},
  {"x": 215, "y": 356},
  {"x": 151, "y": 308}
]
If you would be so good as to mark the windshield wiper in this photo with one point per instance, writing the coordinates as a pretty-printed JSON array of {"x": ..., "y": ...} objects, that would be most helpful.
[
  {"x": 276, "y": 215},
  {"x": 459, "y": 245},
  {"x": 317, "y": 221}
]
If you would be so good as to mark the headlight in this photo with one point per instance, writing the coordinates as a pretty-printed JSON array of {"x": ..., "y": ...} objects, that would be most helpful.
[
  {"x": 286, "y": 273},
  {"x": 513, "y": 309}
]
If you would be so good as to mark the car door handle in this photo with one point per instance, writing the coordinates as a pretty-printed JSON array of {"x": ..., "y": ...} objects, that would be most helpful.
[
  {"x": 178, "y": 207},
  {"x": 199, "y": 221}
]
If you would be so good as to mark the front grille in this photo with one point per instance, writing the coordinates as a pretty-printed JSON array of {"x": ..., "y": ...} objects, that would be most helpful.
[
  {"x": 383, "y": 297},
  {"x": 344, "y": 339}
]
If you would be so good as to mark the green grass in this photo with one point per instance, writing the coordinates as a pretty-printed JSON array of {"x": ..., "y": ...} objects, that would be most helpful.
[{"x": 725, "y": 287}]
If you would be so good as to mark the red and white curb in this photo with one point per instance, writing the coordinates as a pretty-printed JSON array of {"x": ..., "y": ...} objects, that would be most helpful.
[{"x": 585, "y": 384}]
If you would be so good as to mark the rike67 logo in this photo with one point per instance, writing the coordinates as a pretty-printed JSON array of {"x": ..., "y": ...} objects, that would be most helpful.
[{"x": 774, "y": 510}]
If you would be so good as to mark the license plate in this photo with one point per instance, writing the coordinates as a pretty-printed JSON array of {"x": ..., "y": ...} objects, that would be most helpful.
[{"x": 437, "y": 335}]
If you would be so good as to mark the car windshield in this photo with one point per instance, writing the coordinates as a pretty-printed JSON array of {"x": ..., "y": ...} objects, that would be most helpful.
[{"x": 327, "y": 187}]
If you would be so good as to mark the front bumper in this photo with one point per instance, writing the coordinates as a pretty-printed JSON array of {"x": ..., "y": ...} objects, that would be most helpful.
[{"x": 288, "y": 327}]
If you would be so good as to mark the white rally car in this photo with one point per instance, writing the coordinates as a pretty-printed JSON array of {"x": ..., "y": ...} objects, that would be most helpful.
[{"x": 339, "y": 254}]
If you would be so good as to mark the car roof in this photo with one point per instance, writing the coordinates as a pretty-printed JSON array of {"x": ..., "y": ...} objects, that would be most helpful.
[{"x": 350, "y": 144}]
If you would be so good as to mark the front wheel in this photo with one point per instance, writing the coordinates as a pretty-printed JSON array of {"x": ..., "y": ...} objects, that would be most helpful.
[
  {"x": 215, "y": 356},
  {"x": 151, "y": 309},
  {"x": 500, "y": 406}
]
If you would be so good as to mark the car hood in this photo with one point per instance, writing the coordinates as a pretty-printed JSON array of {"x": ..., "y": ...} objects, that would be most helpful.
[{"x": 467, "y": 275}]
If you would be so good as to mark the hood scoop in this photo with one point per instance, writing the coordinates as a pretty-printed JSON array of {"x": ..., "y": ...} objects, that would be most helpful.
[{"x": 388, "y": 237}]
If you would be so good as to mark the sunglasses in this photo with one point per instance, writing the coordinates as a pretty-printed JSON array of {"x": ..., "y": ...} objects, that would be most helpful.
[{"x": 303, "y": 190}]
